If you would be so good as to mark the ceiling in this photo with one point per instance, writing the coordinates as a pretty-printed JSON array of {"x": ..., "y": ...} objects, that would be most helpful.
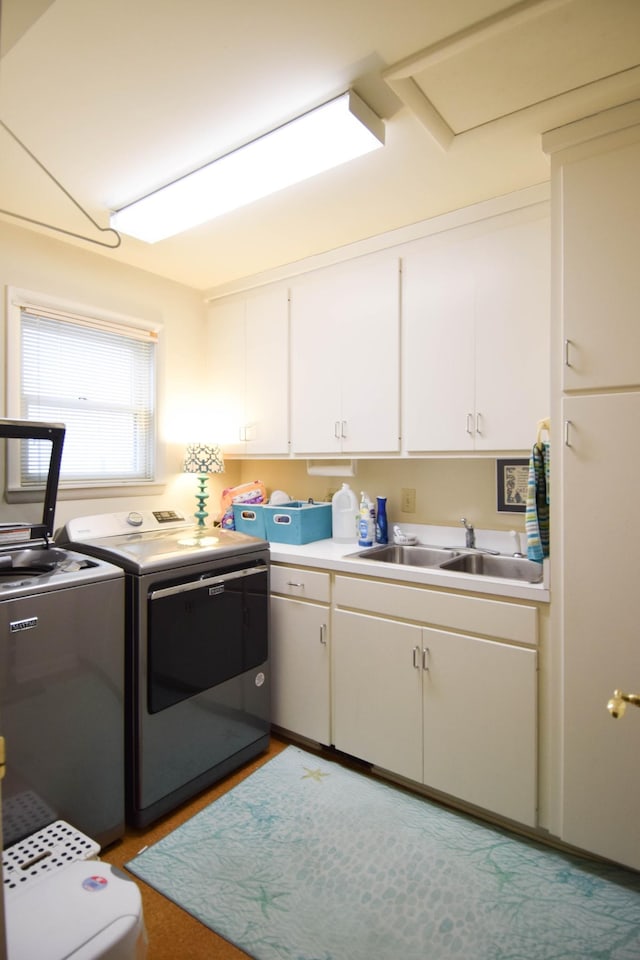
[{"x": 115, "y": 99}]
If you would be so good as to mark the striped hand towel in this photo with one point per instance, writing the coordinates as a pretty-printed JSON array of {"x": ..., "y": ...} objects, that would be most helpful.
[{"x": 537, "y": 510}]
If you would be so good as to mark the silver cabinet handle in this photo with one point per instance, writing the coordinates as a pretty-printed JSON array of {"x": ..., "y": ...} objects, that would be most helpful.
[
  {"x": 343, "y": 430},
  {"x": 567, "y": 361},
  {"x": 478, "y": 424},
  {"x": 336, "y": 429},
  {"x": 291, "y": 583},
  {"x": 470, "y": 424},
  {"x": 425, "y": 659},
  {"x": 567, "y": 433},
  {"x": 323, "y": 634},
  {"x": 416, "y": 658}
]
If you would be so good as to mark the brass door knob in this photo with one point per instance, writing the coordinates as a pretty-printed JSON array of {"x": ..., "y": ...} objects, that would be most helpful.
[{"x": 618, "y": 703}]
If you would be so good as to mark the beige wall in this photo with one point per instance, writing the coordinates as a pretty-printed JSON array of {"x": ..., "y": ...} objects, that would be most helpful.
[
  {"x": 43, "y": 264},
  {"x": 446, "y": 490}
]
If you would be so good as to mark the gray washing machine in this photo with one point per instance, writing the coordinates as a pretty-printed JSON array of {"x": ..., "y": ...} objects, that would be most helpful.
[{"x": 61, "y": 663}]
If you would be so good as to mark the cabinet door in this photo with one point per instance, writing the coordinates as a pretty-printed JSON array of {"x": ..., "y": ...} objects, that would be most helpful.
[
  {"x": 316, "y": 390},
  {"x": 226, "y": 373},
  {"x": 476, "y": 332},
  {"x": 600, "y": 277},
  {"x": 601, "y": 620},
  {"x": 345, "y": 366},
  {"x": 266, "y": 428},
  {"x": 480, "y": 719},
  {"x": 438, "y": 347},
  {"x": 248, "y": 351},
  {"x": 370, "y": 364},
  {"x": 300, "y": 668},
  {"x": 377, "y": 687},
  {"x": 512, "y": 323}
]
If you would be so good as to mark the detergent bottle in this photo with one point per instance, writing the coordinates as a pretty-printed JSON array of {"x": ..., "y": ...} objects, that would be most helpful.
[
  {"x": 382, "y": 532},
  {"x": 366, "y": 523}
]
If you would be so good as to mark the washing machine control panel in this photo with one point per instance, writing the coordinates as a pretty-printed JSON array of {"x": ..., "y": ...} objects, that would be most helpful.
[{"x": 167, "y": 516}]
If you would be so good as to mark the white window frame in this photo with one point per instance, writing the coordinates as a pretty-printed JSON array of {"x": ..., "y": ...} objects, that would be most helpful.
[{"x": 17, "y": 300}]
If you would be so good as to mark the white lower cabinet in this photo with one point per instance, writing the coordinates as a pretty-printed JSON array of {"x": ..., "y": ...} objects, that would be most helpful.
[
  {"x": 300, "y": 655},
  {"x": 377, "y": 707},
  {"x": 452, "y": 710},
  {"x": 479, "y": 722}
]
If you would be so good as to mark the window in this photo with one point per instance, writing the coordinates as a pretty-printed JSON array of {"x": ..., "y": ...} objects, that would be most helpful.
[{"x": 93, "y": 373}]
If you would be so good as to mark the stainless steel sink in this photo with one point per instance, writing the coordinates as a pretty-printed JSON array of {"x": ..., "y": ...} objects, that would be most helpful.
[
  {"x": 487, "y": 565},
  {"x": 415, "y": 556},
  {"x": 457, "y": 561}
]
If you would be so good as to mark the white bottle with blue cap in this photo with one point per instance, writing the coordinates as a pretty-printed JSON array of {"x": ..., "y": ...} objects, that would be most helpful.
[{"x": 344, "y": 515}]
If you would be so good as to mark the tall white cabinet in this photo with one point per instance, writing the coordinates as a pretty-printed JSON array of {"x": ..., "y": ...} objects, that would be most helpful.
[{"x": 596, "y": 517}]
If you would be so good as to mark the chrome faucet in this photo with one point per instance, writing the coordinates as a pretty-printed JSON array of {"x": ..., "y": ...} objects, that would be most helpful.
[{"x": 469, "y": 534}]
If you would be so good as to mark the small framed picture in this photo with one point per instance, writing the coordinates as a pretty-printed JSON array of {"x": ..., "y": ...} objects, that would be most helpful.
[{"x": 512, "y": 477}]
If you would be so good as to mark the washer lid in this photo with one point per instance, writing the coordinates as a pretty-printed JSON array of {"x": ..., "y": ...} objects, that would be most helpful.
[
  {"x": 161, "y": 540},
  {"x": 38, "y": 448}
]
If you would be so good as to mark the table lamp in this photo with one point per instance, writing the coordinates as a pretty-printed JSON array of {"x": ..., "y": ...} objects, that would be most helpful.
[{"x": 203, "y": 459}]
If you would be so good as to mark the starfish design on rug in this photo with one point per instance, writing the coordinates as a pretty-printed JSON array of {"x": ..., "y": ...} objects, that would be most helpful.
[
  {"x": 267, "y": 900},
  {"x": 316, "y": 775}
]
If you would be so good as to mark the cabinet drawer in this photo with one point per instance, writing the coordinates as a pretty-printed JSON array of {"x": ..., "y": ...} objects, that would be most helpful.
[
  {"x": 493, "y": 618},
  {"x": 301, "y": 583}
]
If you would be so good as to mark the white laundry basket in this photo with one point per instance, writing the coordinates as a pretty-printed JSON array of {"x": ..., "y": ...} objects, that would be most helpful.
[{"x": 62, "y": 904}]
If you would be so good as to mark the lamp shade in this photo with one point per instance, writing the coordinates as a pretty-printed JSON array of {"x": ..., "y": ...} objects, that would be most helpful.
[{"x": 203, "y": 458}]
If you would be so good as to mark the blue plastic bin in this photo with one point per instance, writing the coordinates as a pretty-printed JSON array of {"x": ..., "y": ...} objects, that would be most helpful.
[
  {"x": 297, "y": 522},
  {"x": 249, "y": 518}
]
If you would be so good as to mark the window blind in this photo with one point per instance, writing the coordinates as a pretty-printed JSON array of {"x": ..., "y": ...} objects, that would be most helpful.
[{"x": 99, "y": 380}]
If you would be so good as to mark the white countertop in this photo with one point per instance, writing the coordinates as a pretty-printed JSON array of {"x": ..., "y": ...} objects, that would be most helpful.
[{"x": 329, "y": 555}]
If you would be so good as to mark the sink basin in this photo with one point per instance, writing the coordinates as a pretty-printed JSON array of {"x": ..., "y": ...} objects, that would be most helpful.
[
  {"x": 455, "y": 560},
  {"x": 486, "y": 565},
  {"x": 415, "y": 556}
]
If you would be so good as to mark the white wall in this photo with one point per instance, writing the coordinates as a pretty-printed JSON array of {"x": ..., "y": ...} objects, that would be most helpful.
[{"x": 41, "y": 263}]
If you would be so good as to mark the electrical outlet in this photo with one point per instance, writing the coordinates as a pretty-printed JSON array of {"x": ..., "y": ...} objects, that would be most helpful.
[{"x": 408, "y": 500}]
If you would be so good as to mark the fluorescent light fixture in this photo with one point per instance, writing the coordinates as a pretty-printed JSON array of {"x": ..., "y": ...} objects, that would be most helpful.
[{"x": 337, "y": 131}]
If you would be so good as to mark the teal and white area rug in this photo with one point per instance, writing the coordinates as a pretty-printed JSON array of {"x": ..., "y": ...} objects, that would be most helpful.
[{"x": 307, "y": 860}]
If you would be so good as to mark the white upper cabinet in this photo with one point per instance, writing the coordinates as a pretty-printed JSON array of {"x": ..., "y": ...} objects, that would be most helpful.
[
  {"x": 438, "y": 347},
  {"x": 475, "y": 327},
  {"x": 248, "y": 354},
  {"x": 600, "y": 276},
  {"x": 345, "y": 358}
]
